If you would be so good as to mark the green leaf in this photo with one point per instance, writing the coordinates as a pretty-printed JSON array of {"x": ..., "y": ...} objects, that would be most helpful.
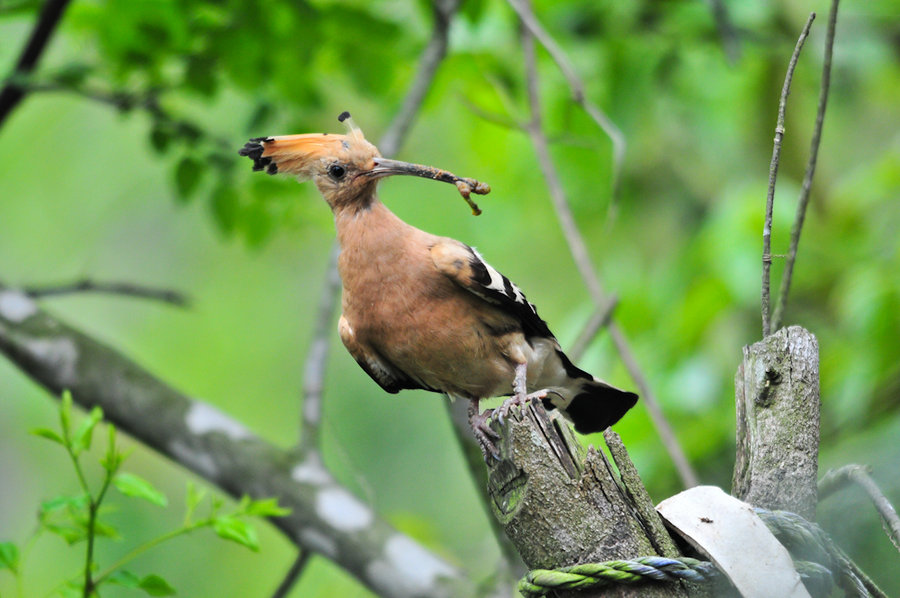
[
  {"x": 9, "y": 556},
  {"x": 160, "y": 137},
  {"x": 187, "y": 177},
  {"x": 236, "y": 530},
  {"x": 49, "y": 435},
  {"x": 112, "y": 460},
  {"x": 124, "y": 578},
  {"x": 81, "y": 441},
  {"x": 75, "y": 503},
  {"x": 132, "y": 485},
  {"x": 191, "y": 501},
  {"x": 65, "y": 412},
  {"x": 267, "y": 507},
  {"x": 106, "y": 530},
  {"x": 72, "y": 535},
  {"x": 224, "y": 203},
  {"x": 156, "y": 586}
]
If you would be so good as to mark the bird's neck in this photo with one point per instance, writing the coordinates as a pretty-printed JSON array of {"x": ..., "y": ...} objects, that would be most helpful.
[{"x": 369, "y": 227}]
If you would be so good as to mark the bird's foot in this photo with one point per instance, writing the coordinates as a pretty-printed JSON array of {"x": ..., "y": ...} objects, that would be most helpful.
[
  {"x": 517, "y": 400},
  {"x": 483, "y": 432}
]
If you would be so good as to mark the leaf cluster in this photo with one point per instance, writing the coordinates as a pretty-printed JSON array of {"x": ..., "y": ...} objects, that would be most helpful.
[{"x": 76, "y": 519}]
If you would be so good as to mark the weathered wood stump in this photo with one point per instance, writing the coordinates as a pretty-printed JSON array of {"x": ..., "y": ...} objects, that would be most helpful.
[
  {"x": 561, "y": 505},
  {"x": 777, "y": 404}
]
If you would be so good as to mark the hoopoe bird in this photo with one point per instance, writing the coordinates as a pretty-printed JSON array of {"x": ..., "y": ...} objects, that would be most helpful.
[{"x": 423, "y": 311}]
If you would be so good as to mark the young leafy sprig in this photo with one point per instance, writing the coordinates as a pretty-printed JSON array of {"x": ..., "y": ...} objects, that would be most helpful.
[{"x": 76, "y": 518}]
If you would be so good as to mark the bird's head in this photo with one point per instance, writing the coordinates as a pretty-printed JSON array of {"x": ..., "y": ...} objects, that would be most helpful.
[{"x": 345, "y": 168}]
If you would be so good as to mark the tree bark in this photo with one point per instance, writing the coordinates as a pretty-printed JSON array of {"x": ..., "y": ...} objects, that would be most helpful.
[
  {"x": 325, "y": 517},
  {"x": 777, "y": 404},
  {"x": 561, "y": 506}
]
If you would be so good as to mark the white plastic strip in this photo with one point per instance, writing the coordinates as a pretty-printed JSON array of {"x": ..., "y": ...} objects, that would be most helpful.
[{"x": 730, "y": 533}]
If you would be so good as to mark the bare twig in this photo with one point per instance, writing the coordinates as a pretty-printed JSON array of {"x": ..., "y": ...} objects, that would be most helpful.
[
  {"x": 803, "y": 202},
  {"x": 580, "y": 253},
  {"x": 292, "y": 575},
  {"x": 49, "y": 18},
  {"x": 124, "y": 101},
  {"x": 730, "y": 40},
  {"x": 773, "y": 175},
  {"x": 317, "y": 357},
  {"x": 497, "y": 118},
  {"x": 837, "y": 479},
  {"x": 576, "y": 85},
  {"x": 598, "y": 321},
  {"x": 431, "y": 59},
  {"x": 113, "y": 288},
  {"x": 314, "y": 371}
]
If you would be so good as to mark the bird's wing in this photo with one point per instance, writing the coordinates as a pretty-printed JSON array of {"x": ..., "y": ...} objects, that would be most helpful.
[
  {"x": 465, "y": 266},
  {"x": 380, "y": 370}
]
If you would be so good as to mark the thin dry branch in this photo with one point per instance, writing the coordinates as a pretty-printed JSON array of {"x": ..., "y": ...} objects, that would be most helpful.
[
  {"x": 579, "y": 249},
  {"x": 838, "y": 479},
  {"x": 598, "y": 321},
  {"x": 317, "y": 356},
  {"x": 727, "y": 31},
  {"x": 431, "y": 59},
  {"x": 45, "y": 26},
  {"x": 773, "y": 175},
  {"x": 803, "y": 202},
  {"x": 577, "y": 87},
  {"x": 293, "y": 574},
  {"x": 317, "y": 359},
  {"x": 113, "y": 288}
]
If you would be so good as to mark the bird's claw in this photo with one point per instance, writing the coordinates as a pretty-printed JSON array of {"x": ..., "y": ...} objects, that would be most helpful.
[
  {"x": 484, "y": 434},
  {"x": 517, "y": 400}
]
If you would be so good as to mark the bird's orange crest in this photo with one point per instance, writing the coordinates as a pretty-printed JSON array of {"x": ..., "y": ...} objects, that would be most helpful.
[{"x": 301, "y": 154}]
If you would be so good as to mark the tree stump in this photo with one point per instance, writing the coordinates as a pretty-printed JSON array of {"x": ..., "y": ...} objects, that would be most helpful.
[
  {"x": 561, "y": 506},
  {"x": 777, "y": 404}
]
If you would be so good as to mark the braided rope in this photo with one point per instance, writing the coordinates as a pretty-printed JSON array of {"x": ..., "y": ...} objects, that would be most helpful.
[
  {"x": 803, "y": 539},
  {"x": 539, "y": 582}
]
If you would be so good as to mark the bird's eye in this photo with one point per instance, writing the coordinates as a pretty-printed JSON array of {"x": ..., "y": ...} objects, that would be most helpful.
[{"x": 336, "y": 171}]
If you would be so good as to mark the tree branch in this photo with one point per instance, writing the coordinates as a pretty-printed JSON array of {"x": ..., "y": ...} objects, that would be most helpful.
[
  {"x": 293, "y": 574},
  {"x": 579, "y": 249},
  {"x": 599, "y": 320},
  {"x": 317, "y": 356},
  {"x": 47, "y": 22},
  {"x": 576, "y": 85},
  {"x": 431, "y": 59},
  {"x": 113, "y": 288},
  {"x": 837, "y": 479},
  {"x": 803, "y": 202},
  {"x": 773, "y": 175},
  {"x": 727, "y": 32},
  {"x": 325, "y": 517}
]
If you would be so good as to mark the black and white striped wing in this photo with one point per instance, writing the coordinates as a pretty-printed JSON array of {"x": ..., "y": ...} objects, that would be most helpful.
[{"x": 465, "y": 266}]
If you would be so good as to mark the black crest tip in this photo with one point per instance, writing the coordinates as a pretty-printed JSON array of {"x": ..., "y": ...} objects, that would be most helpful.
[{"x": 343, "y": 116}]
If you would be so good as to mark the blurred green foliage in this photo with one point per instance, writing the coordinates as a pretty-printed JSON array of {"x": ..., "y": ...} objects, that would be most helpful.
[
  {"x": 127, "y": 169},
  {"x": 81, "y": 518}
]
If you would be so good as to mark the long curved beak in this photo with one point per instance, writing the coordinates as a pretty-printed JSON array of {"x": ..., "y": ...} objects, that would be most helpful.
[{"x": 385, "y": 167}]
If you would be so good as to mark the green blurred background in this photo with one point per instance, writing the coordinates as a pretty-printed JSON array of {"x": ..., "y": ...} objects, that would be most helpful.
[{"x": 91, "y": 189}]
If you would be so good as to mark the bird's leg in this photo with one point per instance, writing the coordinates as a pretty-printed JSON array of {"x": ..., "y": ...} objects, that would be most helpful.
[
  {"x": 483, "y": 432},
  {"x": 520, "y": 396}
]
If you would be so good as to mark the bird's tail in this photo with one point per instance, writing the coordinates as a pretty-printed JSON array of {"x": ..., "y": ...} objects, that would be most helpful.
[
  {"x": 597, "y": 405},
  {"x": 589, "y": 403}
]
